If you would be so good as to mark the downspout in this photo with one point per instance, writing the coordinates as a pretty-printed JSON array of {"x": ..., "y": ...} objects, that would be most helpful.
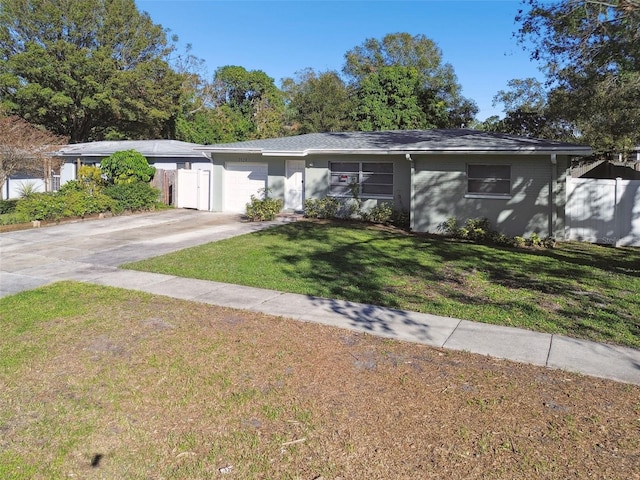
[
  {"x": 553, "y": 213},
  {"x": 412, "y": 220}
]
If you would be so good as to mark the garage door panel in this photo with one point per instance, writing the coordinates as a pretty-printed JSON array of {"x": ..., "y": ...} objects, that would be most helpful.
[{"x": 241, "y": 181}]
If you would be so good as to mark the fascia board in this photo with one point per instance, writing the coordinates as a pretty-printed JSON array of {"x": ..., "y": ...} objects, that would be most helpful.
[{"x": 443, "y": 151}]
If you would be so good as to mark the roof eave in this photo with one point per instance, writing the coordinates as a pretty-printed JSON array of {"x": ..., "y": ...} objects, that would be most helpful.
[{"x": 412, "y": 151}]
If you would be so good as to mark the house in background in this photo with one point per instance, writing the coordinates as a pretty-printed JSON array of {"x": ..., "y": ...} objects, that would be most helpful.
[
  {"x": 179, "y": 168},
  {"x": 162, "y": 154},
  {"x": 517, "y": 183}
]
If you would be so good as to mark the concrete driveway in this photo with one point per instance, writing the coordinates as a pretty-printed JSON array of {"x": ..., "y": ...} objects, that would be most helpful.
[
  {"x": 84, "y": 249},
  {"x": 91, "y": 251}
]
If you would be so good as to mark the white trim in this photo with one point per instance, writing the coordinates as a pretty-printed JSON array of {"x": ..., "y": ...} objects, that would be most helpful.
[{"x": 489, "y": 196}]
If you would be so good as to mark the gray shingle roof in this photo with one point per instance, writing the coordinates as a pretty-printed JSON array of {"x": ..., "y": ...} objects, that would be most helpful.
[
  {"x": 399, "y": 141},
  {"x": 148, "y": 148}
]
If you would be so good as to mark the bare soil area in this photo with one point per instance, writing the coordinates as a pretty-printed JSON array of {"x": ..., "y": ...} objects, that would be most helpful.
[{"x": 150, "y": 387}]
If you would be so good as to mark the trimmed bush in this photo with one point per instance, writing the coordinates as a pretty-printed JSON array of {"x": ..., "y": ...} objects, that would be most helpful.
[
  {"x": 79, "y": 204},
  {"x": 133, "y": 196},
  {"x": 68, "y": 203},
  {"x": 263, "y": 209},
  {"x": 127, "y": 167},
  {"x": 326, "y": 207},
  {"x": 8, "y": 206},
  {"x": 42, "y": 206},
  {"x": 381, "y": 213},
  {"x": 13, "y": 218},
  {"x": 479, "y": 230}
]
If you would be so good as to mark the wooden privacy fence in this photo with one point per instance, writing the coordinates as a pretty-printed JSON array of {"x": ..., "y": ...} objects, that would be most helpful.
[{"x": 603, "y": 211}]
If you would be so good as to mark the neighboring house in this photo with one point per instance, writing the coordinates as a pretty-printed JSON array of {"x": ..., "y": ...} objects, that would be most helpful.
[
  {"x": 31, "y": 178},
  {"x": 17, "y": 183},
  {"x": 162, "y": 154},
  {"x": 179, "y": 168},
  {"x": 517, "y": 183}
]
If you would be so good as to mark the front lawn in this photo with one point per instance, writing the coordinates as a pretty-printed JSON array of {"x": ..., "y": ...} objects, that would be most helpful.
[
  {"x": 575, "y": 289},
  {"x": 97, "y": 382}
]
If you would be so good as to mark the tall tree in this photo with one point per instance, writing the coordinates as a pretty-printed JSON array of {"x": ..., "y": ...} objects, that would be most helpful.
[
  {"x": 437, "y": 82},
  {"x": 25, "y": 149},
  {"x": 86, "y": 69},
  {"x": 254, "y": 96},
  {"x": 389, "y": 99},
  {"x": 590, "y": 51},
  {"x": 319, "y": 102},
  {"x": 528, "y": 112}
]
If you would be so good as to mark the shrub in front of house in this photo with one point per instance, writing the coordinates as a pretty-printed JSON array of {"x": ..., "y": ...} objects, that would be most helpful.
[
  {"x": 331, "y": 207},
  {"x": 8, "y": 206},
  {"x": 78, "y": 198},
  {"x": 326, "y": 207},
  {"x": 479, "y": 230},
  {"x": 133, "y": 196},
  {"x": 65, "y": 203},
  {"x": 263, "y": 209},
  {"x": 128, "y": 166},
  {"x": 42, "y": 206},
  {"x": 381, "y": 213}
]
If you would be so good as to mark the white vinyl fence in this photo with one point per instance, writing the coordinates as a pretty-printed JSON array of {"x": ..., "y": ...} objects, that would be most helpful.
[
  {"x": 193, "y": 189},
  {"x": 603, "y": 211}
]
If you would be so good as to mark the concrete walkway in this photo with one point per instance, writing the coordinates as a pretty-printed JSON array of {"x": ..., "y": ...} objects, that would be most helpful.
[{"x": 91, "y": 252}]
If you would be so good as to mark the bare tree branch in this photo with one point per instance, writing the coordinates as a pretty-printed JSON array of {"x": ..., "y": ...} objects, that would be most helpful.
[{"x": 26, "y": 149}]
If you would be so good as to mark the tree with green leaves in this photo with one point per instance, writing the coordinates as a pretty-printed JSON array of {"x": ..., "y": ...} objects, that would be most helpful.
[
  {"x": 253, "y": 96},
  {"x": 590, "y": 52},
  {"x": 528, "y": 113},
  {"x": 127, "y": 166},
  {"x": 86, "y": 69},
  {"x": 319, "y": 102},
  {"x": 438, "y": 90},
  {"x": 389, "y": 99}
]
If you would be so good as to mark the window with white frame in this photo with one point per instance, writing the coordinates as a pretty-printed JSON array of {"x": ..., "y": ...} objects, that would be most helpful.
[
  {"x": 489, "y": 180},
  {"x": 374, "y": 179}
]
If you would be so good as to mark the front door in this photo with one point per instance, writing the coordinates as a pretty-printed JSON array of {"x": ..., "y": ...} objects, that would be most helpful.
[{"x": 294, "y": 185}]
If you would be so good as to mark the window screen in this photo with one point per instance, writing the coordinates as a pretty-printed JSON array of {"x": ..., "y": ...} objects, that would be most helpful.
[{"x": 489, "y": 179}]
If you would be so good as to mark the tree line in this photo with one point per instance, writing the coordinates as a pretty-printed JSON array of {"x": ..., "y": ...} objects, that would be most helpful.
[{"x": 101, "y": 69}]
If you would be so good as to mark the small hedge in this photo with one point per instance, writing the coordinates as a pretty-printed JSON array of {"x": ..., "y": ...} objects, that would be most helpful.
[
  {"x": 331, "y": 207},
  {"x": 263, "y": 209},
  {"x": 78, "y": 199},
  {"x": 133, "y": 196},
  {"x": 8, "y": 206},
  {"x": 326, "y": 207},
  {"x": 54, "y": 206},
  {"x": 479, "y": 230}
]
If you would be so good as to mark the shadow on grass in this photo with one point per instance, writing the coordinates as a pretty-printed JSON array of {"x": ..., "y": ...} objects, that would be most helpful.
[{"x": 391, "y": 268}]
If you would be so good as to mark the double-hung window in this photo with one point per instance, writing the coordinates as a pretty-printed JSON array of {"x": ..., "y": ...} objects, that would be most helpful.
[
  {"x": 373, "y": 179},
  {"x": 489, "y": 180}
]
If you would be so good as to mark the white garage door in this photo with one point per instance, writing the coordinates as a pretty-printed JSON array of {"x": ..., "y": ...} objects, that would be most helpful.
[{"x": 241, "y": 181}]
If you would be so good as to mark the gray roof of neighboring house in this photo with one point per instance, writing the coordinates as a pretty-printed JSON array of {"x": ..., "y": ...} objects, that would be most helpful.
[
  {"x": 148, "y": 148},
  {"x": 398, "y": 142}
]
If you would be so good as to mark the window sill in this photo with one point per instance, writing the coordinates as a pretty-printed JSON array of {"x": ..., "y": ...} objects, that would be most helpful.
[
  {"x": 348, "y": 196},
  {"x": 488, "y": 197}
]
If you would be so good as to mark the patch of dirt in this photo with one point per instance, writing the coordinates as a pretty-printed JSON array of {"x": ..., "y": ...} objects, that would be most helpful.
[{"x": 202, "y": 390}]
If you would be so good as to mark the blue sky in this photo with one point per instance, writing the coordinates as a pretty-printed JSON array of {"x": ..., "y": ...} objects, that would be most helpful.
[{"x": 284, "y": 37}]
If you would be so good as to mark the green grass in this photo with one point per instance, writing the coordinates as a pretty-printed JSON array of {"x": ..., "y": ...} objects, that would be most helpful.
[
  {"x": 121, "y": 384},
  {"x": 577, "y": 289}
]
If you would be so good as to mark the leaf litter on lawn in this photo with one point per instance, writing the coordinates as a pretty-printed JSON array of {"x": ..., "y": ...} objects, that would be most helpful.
[{"x": 149, "y": 387}]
